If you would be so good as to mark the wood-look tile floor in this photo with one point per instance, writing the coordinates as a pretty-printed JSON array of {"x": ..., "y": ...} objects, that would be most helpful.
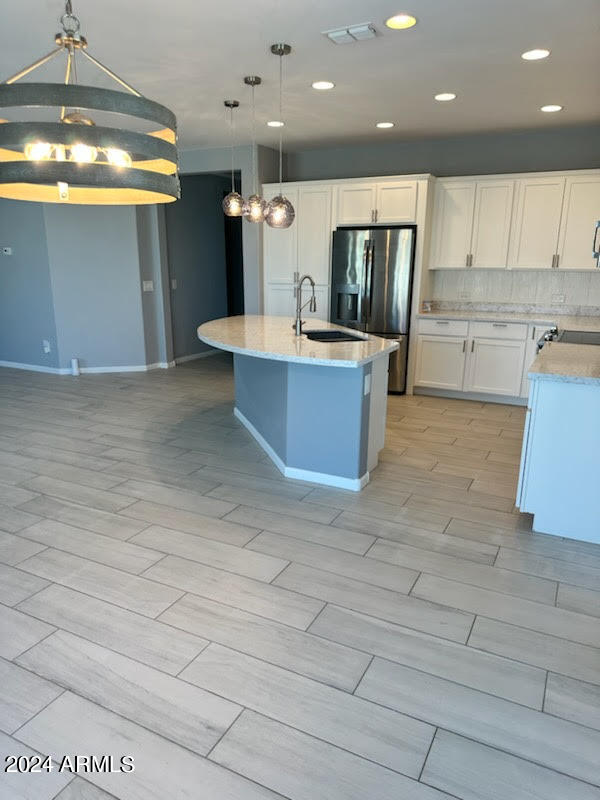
[{"x": 165, "y": 594}]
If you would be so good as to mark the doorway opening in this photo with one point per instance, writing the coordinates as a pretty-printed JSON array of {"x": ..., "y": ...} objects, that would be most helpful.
[{"x": 206, "y": 267}]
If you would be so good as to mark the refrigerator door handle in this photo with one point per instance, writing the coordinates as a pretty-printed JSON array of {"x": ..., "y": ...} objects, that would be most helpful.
[{"x": 369, "y": 279}]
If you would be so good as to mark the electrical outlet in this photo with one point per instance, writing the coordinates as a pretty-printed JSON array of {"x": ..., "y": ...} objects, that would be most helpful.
[
  {"x": 148, "y": 286},
  {"x": 46, "y": 346},
  {"x": 173, "y": 283},
  {"x": 7, "y": 251},
  {"x": 558, "y": 297},
  {"x": 464, "y": 295}
]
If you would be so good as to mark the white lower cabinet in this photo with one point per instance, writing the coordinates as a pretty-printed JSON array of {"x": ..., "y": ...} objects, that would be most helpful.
[
  {"x": 440, "y": 362},
  {"x": 477, "y": 357},
  {"x": 495, "y": 366}
]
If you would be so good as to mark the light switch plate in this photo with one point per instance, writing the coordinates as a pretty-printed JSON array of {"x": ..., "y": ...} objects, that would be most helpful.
[
  {"x": 367, "y": 385},
  {"x": 7, "y": 251},
  {"x": 173, "y": 283},
  {"x": 148, "y": 286},
  {"x": 558, "y": 297}
]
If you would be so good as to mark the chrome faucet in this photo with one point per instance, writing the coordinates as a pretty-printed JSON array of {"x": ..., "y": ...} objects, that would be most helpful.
[{"x": 298, "y": 293}]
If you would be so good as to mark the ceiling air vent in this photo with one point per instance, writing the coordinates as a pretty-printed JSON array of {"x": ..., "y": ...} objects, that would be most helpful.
[{"x": 352, "y": 33}]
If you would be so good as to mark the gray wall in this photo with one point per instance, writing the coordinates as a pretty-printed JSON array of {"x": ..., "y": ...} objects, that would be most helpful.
[
  {"x": 218, "y": 160},
  {"x": 196, "y": 255},
  {"x": 94, "y": 268},
  {"x": 26, "y": 306},
  {"x": 481, "y": 154}
]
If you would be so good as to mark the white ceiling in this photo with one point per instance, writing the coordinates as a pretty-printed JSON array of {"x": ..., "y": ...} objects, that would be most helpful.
[{"x": 191, "y": 54}]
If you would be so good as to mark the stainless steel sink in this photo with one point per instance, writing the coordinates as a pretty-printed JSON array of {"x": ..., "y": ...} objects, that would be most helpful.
[{"x": 332, "y": 336}]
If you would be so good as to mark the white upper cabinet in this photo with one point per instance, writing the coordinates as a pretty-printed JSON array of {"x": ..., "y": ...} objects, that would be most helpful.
[
  {"x": 280, "y": 245},
  {"x": 453, "y": 224},
  {"x": 314, "y": 232},
  {"x": 356, "y": 203},
  {"x": 491, "y": 223},
  {"x": 580, "y": 211},
  {"x": 534, "y": 238},
  {"x": 396, "y": 202}
]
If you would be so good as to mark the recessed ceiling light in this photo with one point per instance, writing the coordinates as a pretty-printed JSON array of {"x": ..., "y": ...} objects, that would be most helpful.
[
  {"x": 551, "y": 108},
  {"x": 400, "y": 22},
  {"x": 445, "y": 96},
  {"x": 536, "y": 54},
  {"x": 323, "y": 85},
  {"x": 275, "y": 123},
  {"x": 385, "y": 125}
]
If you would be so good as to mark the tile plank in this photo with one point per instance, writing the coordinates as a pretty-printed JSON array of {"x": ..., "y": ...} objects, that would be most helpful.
[
  {"x": 264, "y": 599},
  {"x": 304, "y": 768},
  {"x": 106, "y": 583},
  {"x": 574, "y": 700},
  {"x": 488, "y": 673},
  {"x": 66, "y": 490},
  {"x": 132, "y": 635},
  {"x": 376, "y": 733},
  {"x": 64, "y": 724},
  {"x": 532, "y": 735},
  {"x": 22, "y": 695},
  {"x": 19, "y": 632},
  {"x": 184, "y": 714},
  {"x": 471, "y": 770},
  {"x": 331, "y": 663}
]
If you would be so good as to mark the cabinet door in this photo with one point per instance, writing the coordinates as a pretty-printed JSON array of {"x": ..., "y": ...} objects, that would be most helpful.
[
  {"x": 581, "y": 210},
  {"x": 314, "y": 232},
  {"x": 452, "y": 224},
  {"x": 534, "y": 233},
  {"x": 355, "y": 203},
  {"x": 491, "y": 223},
  {"x": 280, "y": 245},
  {"x": 440, "y": 362},
  {"x": 396, "y": 202},
  {"x": 280, "y": 301},
  {"x": 495, "y": 366}
]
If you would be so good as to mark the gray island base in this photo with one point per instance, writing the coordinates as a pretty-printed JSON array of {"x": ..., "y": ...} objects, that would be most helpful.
[{"x": 317, "y": 409}]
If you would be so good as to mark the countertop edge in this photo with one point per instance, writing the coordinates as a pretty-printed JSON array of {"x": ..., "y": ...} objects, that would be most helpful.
[{"x": 270, "y": 356}]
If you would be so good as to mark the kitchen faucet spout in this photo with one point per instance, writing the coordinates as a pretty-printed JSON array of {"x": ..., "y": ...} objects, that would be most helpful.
[{"x": 312, "y": 301}]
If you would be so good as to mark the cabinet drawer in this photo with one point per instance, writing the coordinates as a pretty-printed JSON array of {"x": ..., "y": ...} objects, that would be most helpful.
[
  {"x": 498, "y": 330},
  {"x": 444, "y": 327}
]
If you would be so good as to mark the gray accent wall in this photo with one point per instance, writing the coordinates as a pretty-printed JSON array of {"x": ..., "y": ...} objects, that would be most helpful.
[
  {"x": 26, "y": 304},
  {"x": 94, "y": 268},
  {"x": 196, "y": 256},
  {"x": 556, "y": 148},
  {"x": 315, "y": 418}
]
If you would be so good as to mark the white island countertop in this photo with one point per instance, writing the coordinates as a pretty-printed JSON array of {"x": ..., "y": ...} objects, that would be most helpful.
[
  {"x": 571, "y": 363},
  {"x": 274, "y": 338}
]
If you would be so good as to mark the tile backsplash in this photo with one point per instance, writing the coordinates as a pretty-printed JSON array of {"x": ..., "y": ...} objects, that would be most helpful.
[{"x": 531, "y": 287}]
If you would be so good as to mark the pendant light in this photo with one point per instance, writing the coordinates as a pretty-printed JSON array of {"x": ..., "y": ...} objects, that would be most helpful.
[
  {"x": 71, "y": 159},
  {"x": 281, "y": 212},
  {"x": 255, "y": 208},
  {"x": 233, "y": 202}
]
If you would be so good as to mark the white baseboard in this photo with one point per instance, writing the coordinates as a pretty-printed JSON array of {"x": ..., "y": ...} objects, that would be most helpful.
[
  {"x": 194, "y": 356},
  {"x": 87, "y": 370},
  {"x": 339, "y": 482},
  {"x": 35, "y": 368}
]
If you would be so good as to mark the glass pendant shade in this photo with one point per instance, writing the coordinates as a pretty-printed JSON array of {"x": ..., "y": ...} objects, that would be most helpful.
[
  {"x": 255, "y": 209},
  {"x": 233, "y": 204},
  {"x": 281, "y": 212}
]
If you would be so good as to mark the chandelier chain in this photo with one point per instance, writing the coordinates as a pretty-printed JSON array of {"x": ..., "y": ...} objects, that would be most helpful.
[{"x": 281, "y": 121}]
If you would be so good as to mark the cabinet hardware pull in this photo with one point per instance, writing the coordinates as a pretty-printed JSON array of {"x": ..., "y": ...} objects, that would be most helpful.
[
  {"x": 532, "y": 334},
  {"x": 467, "y": 260},
  {"x": 557, "y": 260},
  {"x": 472, "y": 345},
  {"x": 442, "y": 322},
  {"x": 464, "y": 345},
  {"x": 470, "y": 259},
  {"x": 376, "y": 214},
  {"x": 499, "y": 324}
]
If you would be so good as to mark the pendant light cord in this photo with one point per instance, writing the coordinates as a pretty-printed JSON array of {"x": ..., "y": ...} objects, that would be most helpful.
[
  {"x": 253, "y": 144},
  {"x": 232, "y": 147},
  {"x": 281, "y": 126}
]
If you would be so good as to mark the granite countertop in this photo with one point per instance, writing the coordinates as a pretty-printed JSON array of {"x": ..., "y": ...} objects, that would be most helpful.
[
  {"x": 274, "y": 338},
  {"x": 572, "y": 363},
  {"x": 575, "y": 323}
]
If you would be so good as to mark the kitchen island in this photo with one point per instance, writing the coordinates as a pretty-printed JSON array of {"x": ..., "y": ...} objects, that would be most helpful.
[
  {"x": 317, "y": 408},
  {"x": 559, "y": 479}
]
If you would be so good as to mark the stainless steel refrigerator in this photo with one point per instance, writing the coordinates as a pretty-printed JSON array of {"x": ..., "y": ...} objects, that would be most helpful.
[{"x": 371, "y": 286}]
